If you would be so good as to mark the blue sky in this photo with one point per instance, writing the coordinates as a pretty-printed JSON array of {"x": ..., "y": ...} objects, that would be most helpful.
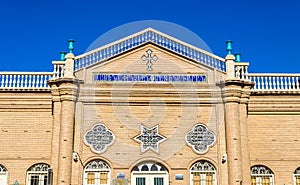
[{"x": 33, "y": 32}]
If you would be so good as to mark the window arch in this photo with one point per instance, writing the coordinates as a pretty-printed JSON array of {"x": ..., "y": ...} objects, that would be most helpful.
[
  {"x": 297, "y": 176},
  {"x": 150, "y": 166},
  {"x": 37, "y": 174},
  {"x": 96, "y": 172},
  {"x": 261, "y": 175},
  {"x": 3, "y": 175},
  {"x": 203, "y": 173},
  {"x": 149, "y": 173}
]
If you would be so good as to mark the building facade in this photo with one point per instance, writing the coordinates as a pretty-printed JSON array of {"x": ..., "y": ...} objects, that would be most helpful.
[{"x": 149, "y": 109}]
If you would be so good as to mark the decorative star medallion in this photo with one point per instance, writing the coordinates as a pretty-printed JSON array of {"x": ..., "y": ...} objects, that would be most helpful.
[{"x": 149, "y": 138}]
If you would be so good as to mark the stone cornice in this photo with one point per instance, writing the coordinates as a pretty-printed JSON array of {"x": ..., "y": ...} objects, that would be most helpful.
[
  {"x": 236, "y": 90},
  {"x": 64, "y": 89},
  {"x": 55, "y": 92},
  {"x": 232, "y": 90},
  {"x": 68, "y": 93},
  {"x": 246, "y": 92}
]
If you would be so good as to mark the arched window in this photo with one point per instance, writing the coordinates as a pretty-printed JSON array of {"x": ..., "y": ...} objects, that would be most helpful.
[
  {"x": 96, "y": 172},
  {"x": 203, "y": 173},
  {"x": 37, "y": 174},
  {"x": 297, "y": 176},
  {"x": 3, "y": 175},
  {"x": 261, "y": 175},
  {"x": 149, "y": 173}
]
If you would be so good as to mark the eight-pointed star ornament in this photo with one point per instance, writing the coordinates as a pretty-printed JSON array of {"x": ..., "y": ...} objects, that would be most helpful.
[{"x": 149, "y": 138}]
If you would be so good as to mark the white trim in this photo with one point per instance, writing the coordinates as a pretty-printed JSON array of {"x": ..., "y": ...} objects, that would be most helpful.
[
  {"x": 259, "y": 178},
  {"x": 294, "y": 177},
  {"x": 149, "y": 177},
  {"x": 41, "y": 177},
  {"x": 203, "y": 173},
  {"x": 203, "y": 176},
  {"x": 3, "y": 178},
  {"x": 96, "y": 172}
]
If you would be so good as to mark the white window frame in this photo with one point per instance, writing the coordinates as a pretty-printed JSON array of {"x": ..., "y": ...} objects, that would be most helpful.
[
  {"x": 296, "y": 174},
  {"x": 3, "y": 175},
  {"x": 32, "y": 171},
  {"x": 150, "y": 175},
  {"x": 203, "y": 173},
  {"x": 294, "y": 177},
  {"x": 96, "y": 172},
  {"x": 259, "y": 176},
  {"x": 41, "y": 177}
]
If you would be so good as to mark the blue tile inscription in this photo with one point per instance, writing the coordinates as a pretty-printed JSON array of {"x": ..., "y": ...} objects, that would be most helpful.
[{"x": 156, "y": 78}]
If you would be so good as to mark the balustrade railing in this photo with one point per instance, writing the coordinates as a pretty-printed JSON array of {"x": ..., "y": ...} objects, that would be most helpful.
[
  {"x": 154, "y": 36},
  {"x": 24, "y": 80},
  {"x": 241, "y": 70},
  {"x": 59, "y": 69},
  {"x": 275, "y": 82},
  {"x": 267, "y": 81},
  {"x": 263, "y": 81}
]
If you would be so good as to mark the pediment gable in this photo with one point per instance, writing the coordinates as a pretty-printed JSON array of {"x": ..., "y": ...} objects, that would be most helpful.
[
  {"x": 148, "y": 52},
  {"x": 152, "y": 60}
]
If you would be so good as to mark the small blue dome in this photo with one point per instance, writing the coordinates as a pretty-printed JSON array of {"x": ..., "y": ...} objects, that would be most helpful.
[{"x": 174, "y": 30}]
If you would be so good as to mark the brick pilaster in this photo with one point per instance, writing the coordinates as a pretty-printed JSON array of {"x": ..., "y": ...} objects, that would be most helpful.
[
  {"x": 231, "y": 96},
  {"x": 67, "y": 89}
]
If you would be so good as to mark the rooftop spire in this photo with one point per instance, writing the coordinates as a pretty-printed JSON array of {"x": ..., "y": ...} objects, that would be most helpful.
[
  {"x": 62, "y": 55},
  {"x": 238, "y": 57},
  {"x": 229, "y": 47},
  {"x": 71, "y": 45}
]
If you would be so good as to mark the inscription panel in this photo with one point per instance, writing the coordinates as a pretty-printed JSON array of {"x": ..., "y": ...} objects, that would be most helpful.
[{"x": 150, "y": 78}]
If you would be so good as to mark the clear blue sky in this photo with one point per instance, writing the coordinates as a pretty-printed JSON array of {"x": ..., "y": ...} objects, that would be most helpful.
[{"x": 267, "y": 33}]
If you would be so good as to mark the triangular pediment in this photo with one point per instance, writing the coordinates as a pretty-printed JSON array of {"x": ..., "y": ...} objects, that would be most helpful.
[
  {"x": 145, "y": 36},
  {"x": 148, "y": 52},
  {"x": 149, "y": 59}
]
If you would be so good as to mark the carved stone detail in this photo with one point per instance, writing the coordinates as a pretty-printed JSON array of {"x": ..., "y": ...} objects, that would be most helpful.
[
  {"x": 149, "y": 59},
  {"x": 149, "y": 138},
  {"x": 99, "y": 138},
  {"x": 200, "y": 138}
]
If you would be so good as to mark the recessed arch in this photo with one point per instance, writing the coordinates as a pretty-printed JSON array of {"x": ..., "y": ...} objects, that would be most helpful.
[
  {"x": 191, "y": 163},
  {"x": 203, "y": 171},
  {"x": 149, "y": 160},
  {"x": 97, "y": 172},
  {"x": 93, "y": 158},
  {"x": 3, "y": 168},
  {"x": 261, "y": 174},
  {"x": 37, "y": 174},
  {"x": 149, "y": 173}
]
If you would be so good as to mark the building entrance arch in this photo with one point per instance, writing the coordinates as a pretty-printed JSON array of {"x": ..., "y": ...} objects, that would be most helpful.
[{"x": 149, "y": 173}]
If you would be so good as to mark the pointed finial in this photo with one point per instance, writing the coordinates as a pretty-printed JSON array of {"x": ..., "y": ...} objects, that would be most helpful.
[
  {"x": 238, "y": 57},
  {"x": 62, "y": 55},
  {"x": 71, "y": 45},
  {"x": 229, "y": 47},
  {"x": 16, "y": 183}
]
